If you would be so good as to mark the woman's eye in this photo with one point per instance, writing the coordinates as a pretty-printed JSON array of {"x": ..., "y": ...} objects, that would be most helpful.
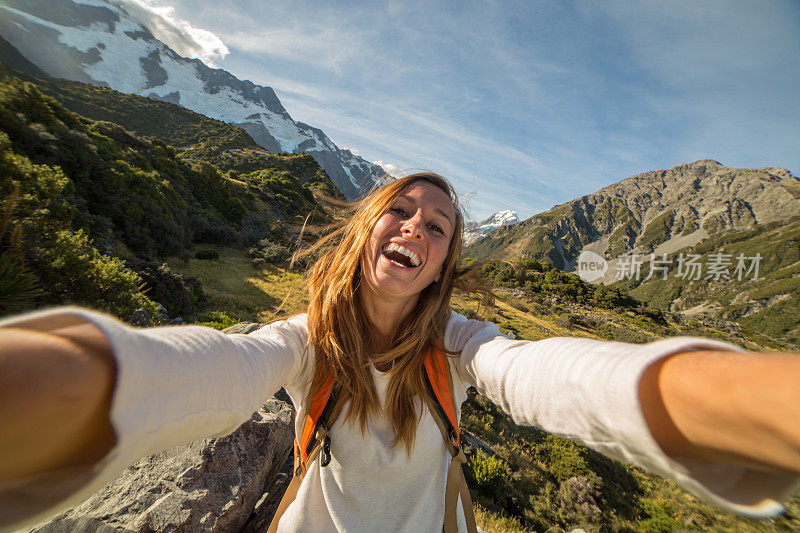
[
  {"x": 400, "y": 211},
  {"x": 436, "y": 228}
]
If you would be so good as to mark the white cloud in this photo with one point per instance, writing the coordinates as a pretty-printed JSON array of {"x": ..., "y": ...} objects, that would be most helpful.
[
  {"x": 177, "y": 33},
  {"x": 323, "y": 47},
  {"x": 353, "y": 151},
  {"x": 392, "y": 170}
]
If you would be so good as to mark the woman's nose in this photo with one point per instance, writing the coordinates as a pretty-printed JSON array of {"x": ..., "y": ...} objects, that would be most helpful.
[{"x": 412, "y": 227}]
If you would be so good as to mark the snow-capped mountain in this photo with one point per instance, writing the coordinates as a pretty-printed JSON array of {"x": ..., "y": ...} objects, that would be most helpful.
[
  {"x": 98, "y": 42},
  {"x": 476, "y": 230}
]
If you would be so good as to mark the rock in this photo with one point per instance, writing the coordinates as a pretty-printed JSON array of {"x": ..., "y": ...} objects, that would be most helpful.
[
  {"x": 242, "y": 327},
  {"x": 141, "y": 318},
  {"x": 265, "y": 508},
  {"x": 177, "y": 321},
  {"x": 208, "y": 485},
  {"x": 162, "y": 313},
  {"x": 472, "y": 444}
]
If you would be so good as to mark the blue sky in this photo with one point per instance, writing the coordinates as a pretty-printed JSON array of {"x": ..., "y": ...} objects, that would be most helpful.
[{"x": 523, "y": 105}]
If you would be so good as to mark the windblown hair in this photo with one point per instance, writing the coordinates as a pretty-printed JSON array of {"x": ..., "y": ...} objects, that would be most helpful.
[{"x": 341, "y": 333}]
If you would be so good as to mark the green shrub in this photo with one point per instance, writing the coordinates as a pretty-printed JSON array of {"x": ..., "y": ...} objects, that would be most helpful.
[
  {"x": 563, "y": 458},
  {"x": 207, "y": 254},
  {"x": 269, "y": 252},
  {"x": 181, "y": 295},
  {"x": 566, "y": 321},
  {"x": 661, "y": 517},
  {"x": 77, "y": 273},
  {"x": 487, "y": 472},
  {"x": 470, "y": 314},
  {"x": 18, "y": 286},
  {"x": 217, "y": 320},
  {"x": 655, "y": 314}
]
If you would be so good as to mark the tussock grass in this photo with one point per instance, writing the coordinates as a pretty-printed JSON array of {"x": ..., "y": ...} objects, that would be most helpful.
[
  {"x": 497, "y": 523},
  {"x": 237, "y": 288}
]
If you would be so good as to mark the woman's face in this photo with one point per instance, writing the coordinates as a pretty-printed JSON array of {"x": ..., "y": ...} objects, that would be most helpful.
[{"x": 409, "y": 243}]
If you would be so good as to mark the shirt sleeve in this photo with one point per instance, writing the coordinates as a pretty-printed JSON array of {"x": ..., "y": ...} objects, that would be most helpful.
[
  {"x": 588, "y": 391},
  {"x": 178, "y": 384}
]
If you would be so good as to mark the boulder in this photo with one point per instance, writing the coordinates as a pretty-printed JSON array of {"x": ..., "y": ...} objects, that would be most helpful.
[
  {"x": 141, "y": 318},
  {"x": 242, "y": 327},
  {"x": 208, "y": 485}
]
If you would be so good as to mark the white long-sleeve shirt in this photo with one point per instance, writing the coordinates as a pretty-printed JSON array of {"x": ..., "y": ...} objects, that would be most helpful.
[{"x": 183, "y": 383}]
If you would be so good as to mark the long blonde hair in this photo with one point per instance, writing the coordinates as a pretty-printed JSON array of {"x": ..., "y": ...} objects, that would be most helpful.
[{"x": 340, "y": 331}]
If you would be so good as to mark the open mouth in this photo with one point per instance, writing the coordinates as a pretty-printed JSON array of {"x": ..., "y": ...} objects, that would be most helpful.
[{"x": 400, "y": 255}]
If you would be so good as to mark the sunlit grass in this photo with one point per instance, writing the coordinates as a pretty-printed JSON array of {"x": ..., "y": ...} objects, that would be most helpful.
[
  {"x": 495, "y": 523},
  {"x": 237, "y": 288}
]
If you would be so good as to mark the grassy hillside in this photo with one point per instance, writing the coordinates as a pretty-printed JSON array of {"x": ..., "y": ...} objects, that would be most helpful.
[
  {"x": 90, "y": 209},
  {"x": 769, "y": 304}
]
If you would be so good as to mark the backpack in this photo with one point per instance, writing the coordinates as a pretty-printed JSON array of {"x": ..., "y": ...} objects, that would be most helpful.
[{"x": 324, "y": 408}]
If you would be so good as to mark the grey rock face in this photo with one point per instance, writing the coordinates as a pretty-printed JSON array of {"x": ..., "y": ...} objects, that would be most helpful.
[
  {"x": 29, "y": 37},
  {"x": 208, "y": 485},
  {"x": 260, "y": 135},
  {"x": 154, "y": 72},
  {"x": 242, "y": 327}
]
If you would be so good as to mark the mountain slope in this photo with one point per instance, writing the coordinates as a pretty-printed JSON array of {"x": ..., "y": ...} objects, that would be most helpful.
[
  {"x": 197, "y": 137},
  {"x": 98, "y": 42},
  {"x": 86, "y": 201},
  {"x": 701, "y": 208}
]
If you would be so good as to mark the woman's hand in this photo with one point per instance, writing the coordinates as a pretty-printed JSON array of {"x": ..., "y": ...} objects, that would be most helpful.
[
  {"x": 55, "y": 398},
  {"x": 730, "y": 407}
]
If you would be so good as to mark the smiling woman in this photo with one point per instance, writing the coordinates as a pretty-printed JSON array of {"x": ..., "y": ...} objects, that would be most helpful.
[
  {"x": 371, "y": 302},
  {"x": 380, "y": 345}
]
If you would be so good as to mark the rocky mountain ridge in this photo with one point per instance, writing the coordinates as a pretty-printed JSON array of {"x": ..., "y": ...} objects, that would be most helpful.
[
  {"x": 681, "y": 240},
  {"x": 98, "y": 42},
  {"x": 676, "y": 207}
]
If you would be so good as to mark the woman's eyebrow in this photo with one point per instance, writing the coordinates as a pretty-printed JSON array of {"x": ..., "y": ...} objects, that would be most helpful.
[
  {"x": 437, "y": 210},
  {"x": 445, "y": 215}
]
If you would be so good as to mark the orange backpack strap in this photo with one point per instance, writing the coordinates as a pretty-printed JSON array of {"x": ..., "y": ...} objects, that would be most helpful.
[
  {"x": 440, "y": 389},
  {"x": 441, "y": 403},
  {"x": 321, "y": 414},
  {"x": 317, "y": 424}
]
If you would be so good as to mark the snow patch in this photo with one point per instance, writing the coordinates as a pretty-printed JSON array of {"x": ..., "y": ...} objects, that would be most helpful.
[{"x": 475, "y": 231}]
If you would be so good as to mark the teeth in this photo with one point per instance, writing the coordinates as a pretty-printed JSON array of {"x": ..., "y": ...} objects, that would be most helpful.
[{"x": 393, "y": 247}]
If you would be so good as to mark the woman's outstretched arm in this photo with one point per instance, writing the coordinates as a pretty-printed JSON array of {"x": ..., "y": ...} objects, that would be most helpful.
[
  {"x": 87, "y": 396},
  {"x": 641, "y": 404},
  {"x": 55, "y": 399},
  {"x": 730, "y": 407}
]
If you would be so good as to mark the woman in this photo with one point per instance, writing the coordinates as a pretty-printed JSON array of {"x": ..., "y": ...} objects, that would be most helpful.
[{"x": 722, "y": 422}]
